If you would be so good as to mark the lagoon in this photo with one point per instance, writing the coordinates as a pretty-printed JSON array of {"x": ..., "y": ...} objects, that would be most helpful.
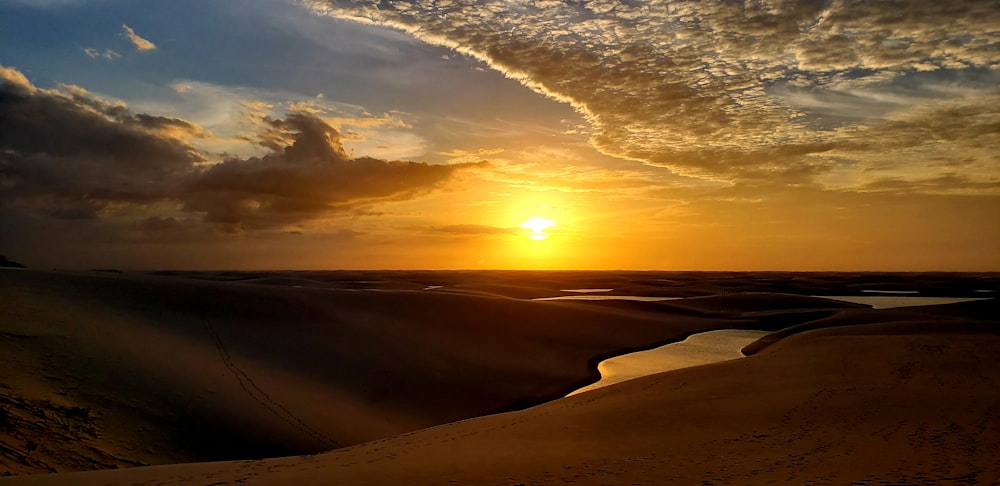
[{"x": 697, "y": 349}]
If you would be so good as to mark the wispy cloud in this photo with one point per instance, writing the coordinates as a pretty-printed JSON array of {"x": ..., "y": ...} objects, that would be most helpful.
[
  {"x": 473, "y": 230},
  {"x": 107, "y": 54},
  {"x": 137, "y": 41},
  {"x": 234, "y": 114},
  {"x": 709, "y": 89}
]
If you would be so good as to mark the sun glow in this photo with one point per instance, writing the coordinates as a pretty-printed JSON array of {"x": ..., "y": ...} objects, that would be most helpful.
[{"x": 538, "y": 225}]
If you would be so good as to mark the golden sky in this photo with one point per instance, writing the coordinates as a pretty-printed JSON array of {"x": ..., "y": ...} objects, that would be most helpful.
[{"x": 327, "y": 134}]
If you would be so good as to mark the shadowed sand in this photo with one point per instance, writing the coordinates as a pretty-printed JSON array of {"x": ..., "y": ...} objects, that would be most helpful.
[
  {"x": 104, "y": 370},
  {"x": 167, "y": 369}
]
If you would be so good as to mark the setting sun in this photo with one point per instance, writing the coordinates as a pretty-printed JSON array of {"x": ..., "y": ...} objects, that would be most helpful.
[{"x": 538, "y": 225}]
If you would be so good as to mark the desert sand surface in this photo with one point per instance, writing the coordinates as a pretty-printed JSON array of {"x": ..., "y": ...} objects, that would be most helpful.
[{"x": 110, "y": 370}]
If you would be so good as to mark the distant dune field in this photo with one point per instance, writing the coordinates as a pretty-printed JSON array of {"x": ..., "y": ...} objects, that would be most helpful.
[{"x": 109, "y": 370}]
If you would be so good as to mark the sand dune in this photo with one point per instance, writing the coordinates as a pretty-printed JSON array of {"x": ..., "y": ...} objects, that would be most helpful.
[
  {"x": 176, "y": 370},
  {"x": 848, "y": 405},
  {"x": 115, "y": 370}
]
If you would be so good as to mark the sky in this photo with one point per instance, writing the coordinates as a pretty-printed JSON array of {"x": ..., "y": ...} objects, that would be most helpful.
[{"x": 500, "y": 134}]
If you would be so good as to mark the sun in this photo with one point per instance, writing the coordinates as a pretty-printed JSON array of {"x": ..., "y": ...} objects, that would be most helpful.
[{"x": 538, "y": 225}]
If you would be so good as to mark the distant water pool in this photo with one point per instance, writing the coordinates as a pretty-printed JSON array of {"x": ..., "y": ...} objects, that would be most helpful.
[
  {"x": 876, "y": 301},
  {"x": 609, "y": 297},
  {"x": 586, "y": 291},
  {"x": 889, "y": 302},
  {"x": 697, "y": 349},
  {"x": 722, "y": 345}
]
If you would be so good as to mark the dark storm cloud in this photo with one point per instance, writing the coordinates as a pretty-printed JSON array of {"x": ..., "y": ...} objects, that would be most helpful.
[
  {"x": 697, "y": 86},
  {"x": 61, "y": 151},
  {"x": 68, "y": 154}
]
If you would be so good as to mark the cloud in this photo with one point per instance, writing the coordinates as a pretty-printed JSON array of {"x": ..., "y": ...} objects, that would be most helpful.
[
  {"x": 107, "y": 54},
  {"x": 68, "y": 154},
  {"x": 464, "y": 154},
  {"x": 553, "y": 168},
  {"x": 702, "y": 88},
  {"x": 137, "y": 41},
  {"x": 235, "y": 116},
  {"x": 310, "y": 177},
  {"x": 16, "y": 79},
  {"x": 947, "y": 184},
  {"x": 474, "y": 229}
]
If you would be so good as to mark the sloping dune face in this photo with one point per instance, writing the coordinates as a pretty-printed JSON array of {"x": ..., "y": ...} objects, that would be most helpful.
[
  {"x": 111, "y": 370},
  {"x": 102, "y": 370},
  {"x": 906, "y": 402}
]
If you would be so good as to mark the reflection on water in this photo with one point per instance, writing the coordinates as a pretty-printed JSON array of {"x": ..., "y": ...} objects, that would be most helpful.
[
  {"x": 877, "y": 302},
  {"x": 885, "y": 302},
  {"x": 697, "y": 349},
  {"x": 586, "y": 291},
  {"x": 609, "y": 297},
  {"x": 891, "y": 291}
]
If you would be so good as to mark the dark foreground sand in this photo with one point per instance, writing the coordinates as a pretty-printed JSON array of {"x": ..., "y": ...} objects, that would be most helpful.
[{"x": 108, "y": 370}]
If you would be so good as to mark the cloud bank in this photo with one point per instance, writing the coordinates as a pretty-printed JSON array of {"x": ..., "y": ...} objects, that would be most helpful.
[
  {"x": 310, "y": 177},
  {"x": 67, "y": 154},
  {"x": 841, "y": 93}
]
